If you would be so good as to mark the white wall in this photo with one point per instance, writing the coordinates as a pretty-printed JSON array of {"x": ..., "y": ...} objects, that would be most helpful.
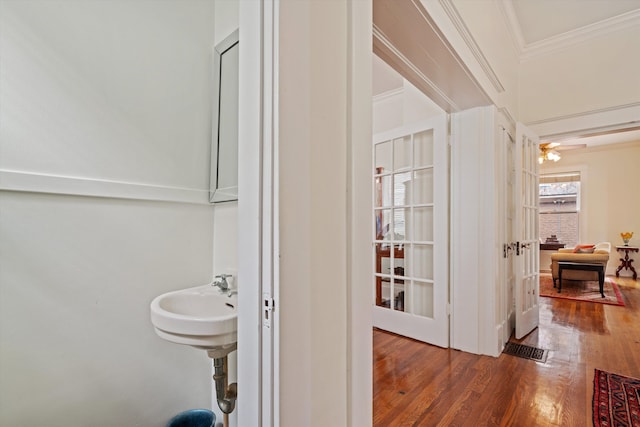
[
  {"x": 401, "y": 107},
  {"x": 101, "y": 99},
  {"x": 108, "y": 90},
  {"x": 595, "y": 75},
  {"x": 610, "y": 203},
  {"x": 313, "y": 305},
  {"x": 77, "y": 277}
]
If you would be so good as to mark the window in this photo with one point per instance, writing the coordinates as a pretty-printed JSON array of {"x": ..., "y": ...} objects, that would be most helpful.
[{"x": 560, "y": 207}]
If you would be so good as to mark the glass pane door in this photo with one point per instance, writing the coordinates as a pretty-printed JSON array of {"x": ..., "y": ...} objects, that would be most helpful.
[{"x": 409, "y": 187}]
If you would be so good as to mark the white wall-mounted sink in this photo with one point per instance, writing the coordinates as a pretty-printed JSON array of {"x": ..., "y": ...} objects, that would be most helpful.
[{"x": 203, "y": 317}]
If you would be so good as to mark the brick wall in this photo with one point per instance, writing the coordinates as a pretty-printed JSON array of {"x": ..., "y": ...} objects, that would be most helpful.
[{"x": 563, "y": 224}]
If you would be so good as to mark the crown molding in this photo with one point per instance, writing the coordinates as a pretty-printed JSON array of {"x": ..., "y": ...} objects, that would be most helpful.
[
  {"x": 513, "y": 25},
  {"x": 580, "y": 35},
  {"x": 527, "y": 51},
  {"x": 457, "y": 21},
  {"x": 388, "y": 94},
  {"x": 600, "y": 120}
]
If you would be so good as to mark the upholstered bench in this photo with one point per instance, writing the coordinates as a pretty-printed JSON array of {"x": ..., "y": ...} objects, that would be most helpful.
[
  {"x": 600, "y": 255},
  {"x": 564, "y": 265}
]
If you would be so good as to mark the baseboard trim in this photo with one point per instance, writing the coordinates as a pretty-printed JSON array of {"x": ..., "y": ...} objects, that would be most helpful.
[{"x": 68, "y": 185}]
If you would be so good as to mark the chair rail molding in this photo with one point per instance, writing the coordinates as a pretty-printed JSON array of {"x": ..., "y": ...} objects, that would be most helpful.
[{"x": 30, "y": 182}]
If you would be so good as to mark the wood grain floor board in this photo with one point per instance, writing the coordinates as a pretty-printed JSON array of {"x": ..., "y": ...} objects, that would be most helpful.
[{"x": 416, "y": 384}]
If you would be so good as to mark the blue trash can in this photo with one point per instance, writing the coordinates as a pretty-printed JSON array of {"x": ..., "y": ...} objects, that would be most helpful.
[{"x": 193, "y": 418}]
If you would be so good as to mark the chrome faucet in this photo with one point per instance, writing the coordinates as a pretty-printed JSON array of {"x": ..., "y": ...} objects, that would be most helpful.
[{"x": 221, "y": 282}]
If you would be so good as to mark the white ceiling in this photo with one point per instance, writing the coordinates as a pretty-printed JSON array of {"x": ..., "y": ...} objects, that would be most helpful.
[
  {"x": 539, "y": 20},
  {"x": 545, "y": 23}
]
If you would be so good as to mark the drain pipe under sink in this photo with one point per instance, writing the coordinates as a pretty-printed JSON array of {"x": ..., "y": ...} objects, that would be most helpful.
[{"x": 226, "y": 395}]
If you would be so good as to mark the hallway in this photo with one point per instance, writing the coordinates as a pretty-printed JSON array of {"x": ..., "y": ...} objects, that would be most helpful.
[{"x": 416, "y": 384}]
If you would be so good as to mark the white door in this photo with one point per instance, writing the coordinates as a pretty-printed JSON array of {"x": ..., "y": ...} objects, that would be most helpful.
[
  {"x": 527, "y": 284},
  {"x": 506, "y": 212},
  {"x": 410, "y": 282}
]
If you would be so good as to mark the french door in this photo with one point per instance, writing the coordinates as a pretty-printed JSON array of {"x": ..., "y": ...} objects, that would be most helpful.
[
  {"x": 527, "y": 250},
  {"x": 410, "y": 286}
]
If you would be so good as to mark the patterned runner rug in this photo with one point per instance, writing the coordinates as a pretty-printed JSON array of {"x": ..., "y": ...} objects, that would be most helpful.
[
  {"x": 615, "y": 400},
  {"x": 582, "y": 290}
]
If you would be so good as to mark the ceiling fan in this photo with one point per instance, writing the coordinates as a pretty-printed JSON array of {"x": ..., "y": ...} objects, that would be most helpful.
[{"x": 551, "y": 151}]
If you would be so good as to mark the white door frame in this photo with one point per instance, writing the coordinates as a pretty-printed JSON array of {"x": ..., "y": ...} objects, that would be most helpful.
[
  {"x": 258, "y": 241},
  {"x": 360, "y": 221},
  {"x": 254, "y": 357}
]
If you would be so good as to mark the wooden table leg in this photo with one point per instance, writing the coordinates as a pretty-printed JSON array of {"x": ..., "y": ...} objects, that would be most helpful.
[
  {"x": 601, "y": 281},
  {"x": 559, "y": 278},
  {"x": 625, "y": 263}
]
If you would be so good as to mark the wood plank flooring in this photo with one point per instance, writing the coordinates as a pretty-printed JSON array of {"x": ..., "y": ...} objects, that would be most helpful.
[{"x": 416, "y": 384}]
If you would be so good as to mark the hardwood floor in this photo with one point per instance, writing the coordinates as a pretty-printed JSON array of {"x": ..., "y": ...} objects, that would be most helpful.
[{"x": 416, "y": 384}]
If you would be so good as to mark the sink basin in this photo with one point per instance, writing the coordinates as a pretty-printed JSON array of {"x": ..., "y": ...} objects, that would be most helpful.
[{"x": 203, "y": 317}]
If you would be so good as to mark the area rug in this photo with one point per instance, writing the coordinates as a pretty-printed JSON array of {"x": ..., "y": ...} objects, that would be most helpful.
[
  {"x": 582, "y": 290},
  {"x": 615, "y": 400}
]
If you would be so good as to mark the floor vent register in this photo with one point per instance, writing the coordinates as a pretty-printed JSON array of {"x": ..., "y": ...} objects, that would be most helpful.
[{"x": 526, "y": 352}]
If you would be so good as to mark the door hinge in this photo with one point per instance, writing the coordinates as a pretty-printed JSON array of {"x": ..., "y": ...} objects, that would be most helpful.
[
  {"x": 448, "y": 309},
  {"x": 268, "y": 306}
]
